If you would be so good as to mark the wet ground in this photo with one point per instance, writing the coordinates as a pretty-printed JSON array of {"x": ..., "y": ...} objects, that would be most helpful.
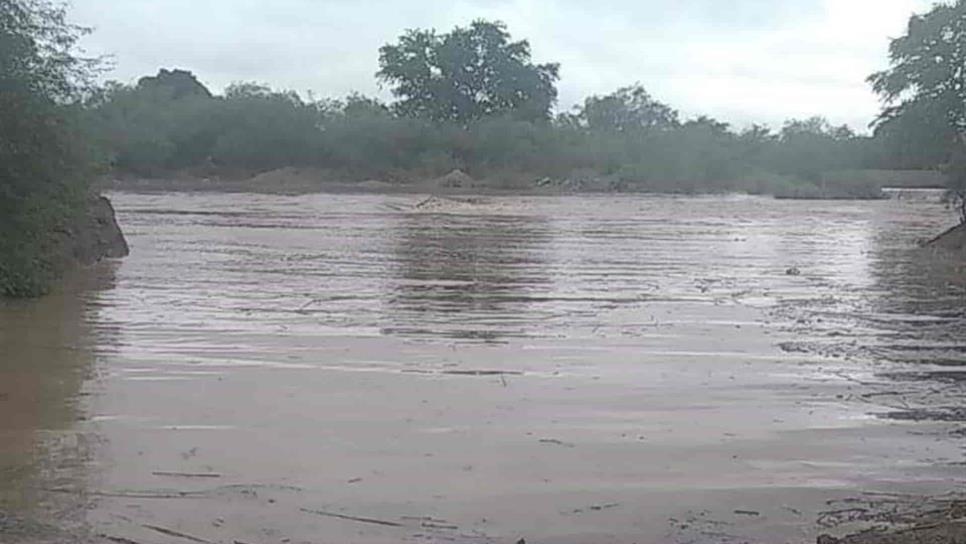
[{"x": 373, "y": 368}]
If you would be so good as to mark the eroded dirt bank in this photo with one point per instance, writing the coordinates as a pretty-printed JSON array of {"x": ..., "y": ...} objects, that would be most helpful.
[
  {"x": 378, "y": 368},
  {"x": 92, "y": 236},
  {"x": 953, "y": 239}
]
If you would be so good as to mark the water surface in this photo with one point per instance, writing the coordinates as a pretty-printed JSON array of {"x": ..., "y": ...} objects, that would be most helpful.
[{"x": 373, "y": 368}]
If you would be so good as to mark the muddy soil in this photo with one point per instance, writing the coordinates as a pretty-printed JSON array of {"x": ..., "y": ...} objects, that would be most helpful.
[
  {"x": 953, "y": 239},
  {"x": 395, "y": 368}
]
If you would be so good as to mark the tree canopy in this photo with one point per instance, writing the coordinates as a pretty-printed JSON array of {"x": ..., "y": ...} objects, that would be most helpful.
[
  {"x": 924, "y": 91},
  {"x": 175, "y": 84},
  {"x": 628, "y": 108},
  {"x": 927, "y": 72},
  {"x": 44, "y": 159},
  {"x": 467, "y": 74}
]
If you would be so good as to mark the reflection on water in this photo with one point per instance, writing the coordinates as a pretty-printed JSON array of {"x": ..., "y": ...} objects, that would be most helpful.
[
  {"x": 912, "y": 308},
  {"x": 908, "y": 320},
  {"x": 48, "y": 352},
  {"x": 466, "y": 276}
]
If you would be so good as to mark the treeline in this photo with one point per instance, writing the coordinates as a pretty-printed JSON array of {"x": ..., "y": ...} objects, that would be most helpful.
[
  {"x": 46, "y": 156},
  {"x": 171, "y": 122},
  {"x": 470, "y": 99}
]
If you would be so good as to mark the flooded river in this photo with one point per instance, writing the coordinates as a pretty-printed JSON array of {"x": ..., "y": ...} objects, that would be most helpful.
[{"x": 386, "y": 368}]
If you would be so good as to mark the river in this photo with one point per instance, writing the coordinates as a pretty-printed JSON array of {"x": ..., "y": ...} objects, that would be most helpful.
[{"x": 391, "y": 368}]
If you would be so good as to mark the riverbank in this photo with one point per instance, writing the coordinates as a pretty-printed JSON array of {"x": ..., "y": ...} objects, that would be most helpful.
[
  {"x": 91, "y": 236},
  {"x": 846, "y": 185},
  {"x": 41, "y": 248},
  {"x": 953, "y": 239},
  {"x": 903, "y": 519}
]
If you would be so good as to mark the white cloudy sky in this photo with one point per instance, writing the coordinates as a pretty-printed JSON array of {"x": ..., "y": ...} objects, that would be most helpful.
[{"x": 738, "y": 60}]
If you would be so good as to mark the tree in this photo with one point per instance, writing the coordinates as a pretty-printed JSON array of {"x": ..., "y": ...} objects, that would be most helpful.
[
  {"x": 45, "y": 160},
  {"x": 168, "y": 121},
  {"x": 261, "y": 129},
  {"x": 467, "y": 74},
  {"x": 709, "y": 124},
  {"x": 810, "y": 148},
  {"x": 924, "y": 88},
  {"x": 628, "y": 108},
  {"x": 174, "y": 84}
]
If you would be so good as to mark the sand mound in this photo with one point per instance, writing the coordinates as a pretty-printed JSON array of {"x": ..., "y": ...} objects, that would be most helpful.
[{"x": 456, "y": 178}]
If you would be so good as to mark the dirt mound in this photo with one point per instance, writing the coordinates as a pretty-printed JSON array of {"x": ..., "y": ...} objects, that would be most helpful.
[
  {"x": 953, "y": 239},
  {"x": 93, "y": 236},
  {"x": 456, "y": 178}
]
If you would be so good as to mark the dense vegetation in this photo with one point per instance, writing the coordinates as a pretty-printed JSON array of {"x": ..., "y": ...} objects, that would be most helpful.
[
  {"x": 470, "y": 99},
  {"x": 45, "y": 160},
  {"x": 925, "y": 94}
]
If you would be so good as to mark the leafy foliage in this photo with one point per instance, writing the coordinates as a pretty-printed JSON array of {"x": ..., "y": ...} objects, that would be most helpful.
[
  {"x": 467, "y": 74},
  {"x": 45, "y": 160},
  {"x": 470, "y": 99},
  {"x": 622, "y": 140},
  {"x": 627, "y": 109},
  {"x": 175, "y": 84},
  {"x": 924, "y": 90}
]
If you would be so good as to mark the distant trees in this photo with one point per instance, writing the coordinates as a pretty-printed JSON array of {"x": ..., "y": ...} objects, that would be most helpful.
[
  {"x": 164, "y": 122},
  {"x": 174, "y": 84},
  {"x": 628, "y": 108},
  {"x": 622, "y": 139},
  {"x": 471, "y": 99},
  {"x": 467, "y": 74},
  {"x": 172, "y": 122},
  {"x": 260, "y": 129},
  {"x": 45, "y": 157},
  {"x": 809, "y": 147},
  {"x": 924, "y": 91}
]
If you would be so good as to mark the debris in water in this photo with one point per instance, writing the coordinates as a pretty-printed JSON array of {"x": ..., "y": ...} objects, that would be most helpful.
[
  {"x": 555, "y": 442},
  {"x": 352, "y": 518},
  {"x": 187, "y": 474}
]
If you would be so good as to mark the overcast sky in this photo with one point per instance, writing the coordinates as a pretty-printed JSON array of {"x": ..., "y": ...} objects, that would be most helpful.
[{"x": 741, "y": 61}]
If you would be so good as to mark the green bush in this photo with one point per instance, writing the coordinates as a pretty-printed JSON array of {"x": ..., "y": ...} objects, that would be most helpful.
[{"x": 46, "y": 157}]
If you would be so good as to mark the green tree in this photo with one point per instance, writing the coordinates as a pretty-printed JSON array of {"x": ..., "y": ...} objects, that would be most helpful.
[
  {"x": 628, "y": 108},
  {"x": 45, "y": 160},
  {"x": 174, "y": 84},
  {"x": 811, "y": 147},
  {"x": 467, "y": 74},
  {"x": 165, "y": 122},
  {"x": 924, "y": 89},
  {"x": 261, "y": 129}
]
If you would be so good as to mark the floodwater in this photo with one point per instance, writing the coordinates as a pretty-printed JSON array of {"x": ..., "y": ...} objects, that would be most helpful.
[{"x": 385, "y": 368}]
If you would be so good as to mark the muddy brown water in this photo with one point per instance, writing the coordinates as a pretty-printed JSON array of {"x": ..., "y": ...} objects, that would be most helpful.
[{"x": 378, "y": 368}]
